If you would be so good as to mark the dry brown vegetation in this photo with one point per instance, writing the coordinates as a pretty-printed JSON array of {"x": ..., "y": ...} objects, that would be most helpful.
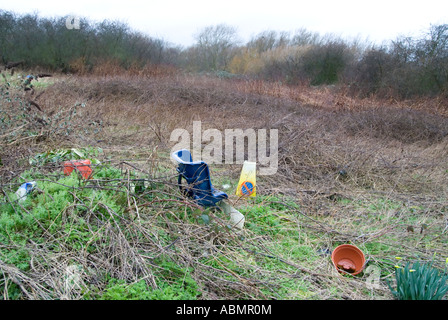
[
  {"x": 339, "y": 156},
  {"x": 321, "y": 130}
]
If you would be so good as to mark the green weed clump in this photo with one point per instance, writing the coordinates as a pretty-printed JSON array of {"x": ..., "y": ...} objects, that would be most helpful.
[
  {"x": 420, "y": 282},
  {"x": 90, "y": 239},
  {"x": 177, "y": 285}
]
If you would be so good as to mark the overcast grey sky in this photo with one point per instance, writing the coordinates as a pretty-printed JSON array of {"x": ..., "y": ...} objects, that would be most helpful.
[{"x": 178, "y": 21}]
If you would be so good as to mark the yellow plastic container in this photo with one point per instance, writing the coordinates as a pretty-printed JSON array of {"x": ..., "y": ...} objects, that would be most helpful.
[{"x": 247, "y": 184}]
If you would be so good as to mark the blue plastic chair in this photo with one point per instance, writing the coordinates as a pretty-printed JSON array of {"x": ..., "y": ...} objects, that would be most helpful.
[{"x": 197, "y": 176}]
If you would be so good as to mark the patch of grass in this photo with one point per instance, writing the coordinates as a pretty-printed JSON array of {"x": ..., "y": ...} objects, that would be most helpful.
[{"x": 175, "y": 284}]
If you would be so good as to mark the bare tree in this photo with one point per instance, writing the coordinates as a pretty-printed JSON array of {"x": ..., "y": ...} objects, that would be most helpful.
[
  {"x": 269, "y": 40},
  {"x": 215, "y": 46}
]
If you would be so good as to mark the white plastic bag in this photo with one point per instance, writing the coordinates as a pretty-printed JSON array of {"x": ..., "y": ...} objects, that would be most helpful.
[
  {"x": 236, "y": 218},
  {"x": 24, "y": 190}
]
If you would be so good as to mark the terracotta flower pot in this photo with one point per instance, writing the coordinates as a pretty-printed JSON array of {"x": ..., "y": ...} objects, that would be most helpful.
[{"x": 348, "y": 259}]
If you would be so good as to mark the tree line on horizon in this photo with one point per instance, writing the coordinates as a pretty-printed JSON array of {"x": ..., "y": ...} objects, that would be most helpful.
[{"x": 404, "y": 67}]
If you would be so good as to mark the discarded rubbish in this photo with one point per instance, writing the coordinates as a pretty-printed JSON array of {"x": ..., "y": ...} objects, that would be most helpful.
[
  {"x": 236, "y": 218},
  {"x": 83, "y": 166},
  {"x": 24, "y": 190},
  {"x": 197, "y": 176},
  {"x": 247, "y": 183},
  {"x": 348, "y": 258},
  {"x": 200, "y": 188}
]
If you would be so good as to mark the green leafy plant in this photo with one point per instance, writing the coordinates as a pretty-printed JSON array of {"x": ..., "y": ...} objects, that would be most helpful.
[
  {"x": 419, "y": 282},
  {"x": 59, "y": 155}
]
